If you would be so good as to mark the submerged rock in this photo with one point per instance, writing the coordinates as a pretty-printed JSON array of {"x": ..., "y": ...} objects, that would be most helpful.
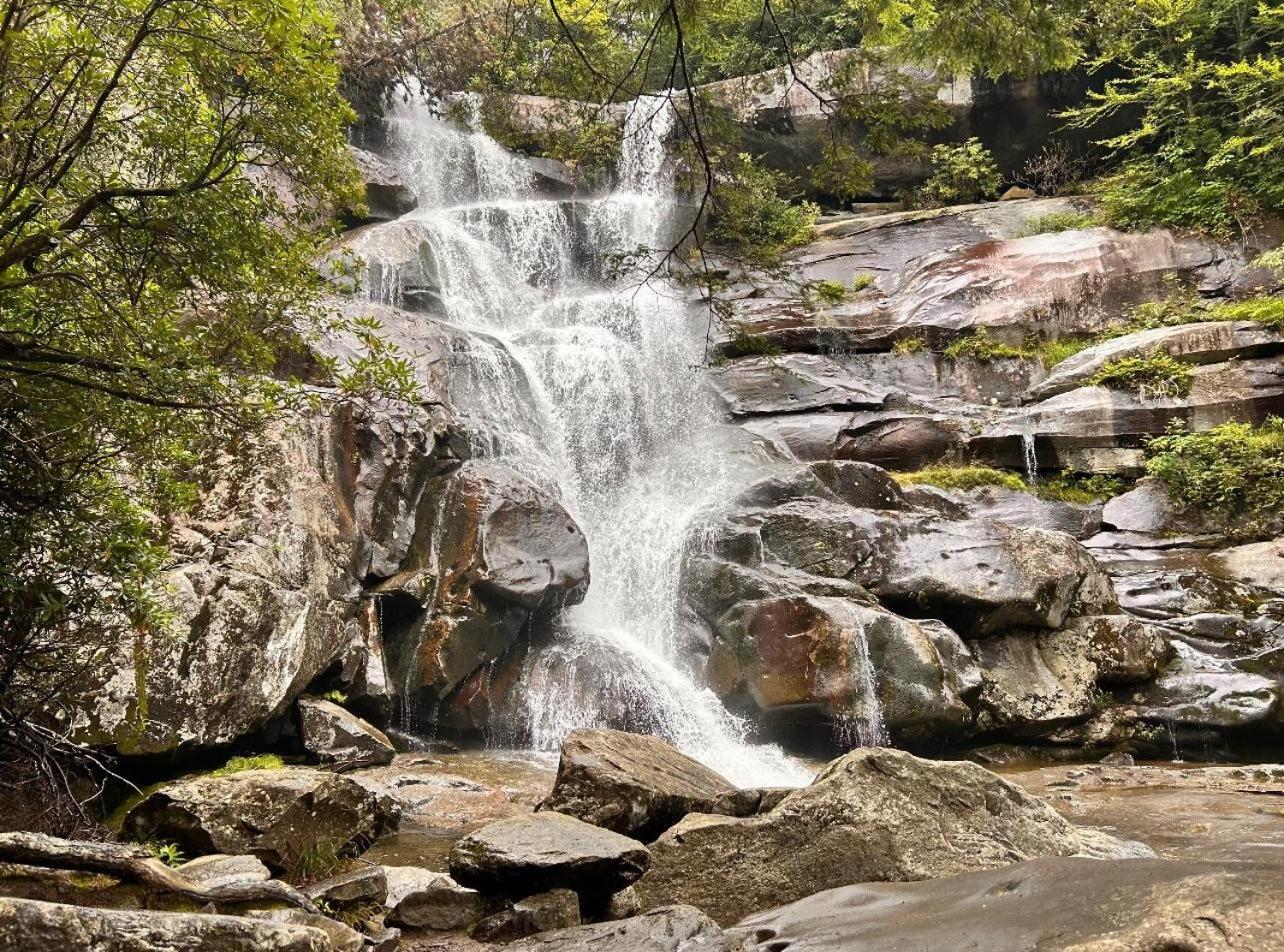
[
  {"x": 1050, "y": 904},
  {"x": 525, "y": 855},
  {"x": 276, "y": 815},
  {"x": 631, "y": 783},
  {"x": 34, "y": 926},
  {"x": 873, "y": 815}
]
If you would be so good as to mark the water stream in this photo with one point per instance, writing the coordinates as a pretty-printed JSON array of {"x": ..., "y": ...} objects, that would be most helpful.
[{"x": 591, "y": 386}]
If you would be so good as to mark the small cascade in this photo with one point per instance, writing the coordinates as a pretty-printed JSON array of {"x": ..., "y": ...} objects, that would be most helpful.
[
  {"x": 588, "y": 384},
  {"x": 1031, "y": 457},
  {"x": 863, "y": 726}
]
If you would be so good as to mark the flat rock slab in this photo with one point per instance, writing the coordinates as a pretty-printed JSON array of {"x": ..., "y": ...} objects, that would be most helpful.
[
  {"x": 671, "y": 929},
  {"x": 525, "y": 855},
  {"x": 421, "y": 899},
  {"x": 219, "y": 869},
  {"x": 1049, "y": 904},
  {"x": 873, "y": 815},
  {"x": 32, "y": 926},
  {"x": 632, "y": 783}
]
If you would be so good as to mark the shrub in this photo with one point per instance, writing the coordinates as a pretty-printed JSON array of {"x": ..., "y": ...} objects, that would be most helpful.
[
  {"x": 908, "y": 345},
  {"x": 862, "y": 281},
  {"x": 960, "y": 174},
  {"x": 828, "y": 292},
  {"x": 1055, "y": 170},
  {"x": 978, "y": 346},
  {"x": 1055, "y": 222},
  {"x": 1264, "y": 310},
  {"x": 1155, "y": 374},
  {"x": 746, "y": 344},
  {"x": 751, "y": 214},
  {"x": 1080, "y": 488},
  {"x": 171, "y": 854},
  {"x": 1233, "y": 470},
  {"x": 1054, "y": 351},
  {"x": 253, "y": 762},
  {"x": 961, "y": 477}
]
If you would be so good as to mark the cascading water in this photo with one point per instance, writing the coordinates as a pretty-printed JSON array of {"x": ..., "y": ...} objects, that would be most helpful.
[{"x": 589, "y": 386}]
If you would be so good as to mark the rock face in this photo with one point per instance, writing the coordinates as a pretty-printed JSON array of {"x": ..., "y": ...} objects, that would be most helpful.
[
  {"x": 340, "y": 739},
  {"x": 631, "y": 783},
  {"x": 276, "y": 815},
  {"x": 490, "y": 550},
  {"x": 51, "y": 927},
  {"x": 1047, "y": 904},
  {"x": 873, "y": 815},
  {"x": 532, "y": 854}
]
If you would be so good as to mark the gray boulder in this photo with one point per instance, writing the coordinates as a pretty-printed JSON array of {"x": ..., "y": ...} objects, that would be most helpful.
[
  {"x": 34, "y": 926},
  {"x": 1027, "y": 510},
  {"x": 873, "y": 815},
  {"x": 276, "y": 815},
  {"x": 1049, "y": 904},
  {"x": 1146, "y": 507},
  {"x": 421, "y": 899},
  {"x": 220, "y": 869},
  {"x": 630, "y": 783},
  {"x": 387, "y": 196},
  {"x": 365, "y": 885},
  {"x": 531, "y": 854},
  {"x": 668, "y": 929},
  {"x": 542, "y": 912},
  {"x": 791, "y": 383},
  {"x": 339, "y": 937},
  {"x": 340, "y": 739}
]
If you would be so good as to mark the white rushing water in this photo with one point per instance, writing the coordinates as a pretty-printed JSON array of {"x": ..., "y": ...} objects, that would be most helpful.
[{"x": 592, "y": 387}]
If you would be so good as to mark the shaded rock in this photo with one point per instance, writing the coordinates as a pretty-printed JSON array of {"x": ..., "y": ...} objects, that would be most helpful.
[
  {"x": 873, "y": 815},
  {"x": 622, "y": 905},
  {"x": 630, "y": 783},
  {"x": 791, "y": 383},
  {"x": 339, "y": 937},
  {"x": 366, "y": 885},
  {"x": 543, "y": 912},
  {"x": 668, "y": 929},
  {"x": 338, "y": 738},
  {"x": 51, "y": 927},
  {"x": 1033, "y": 681},
  {"x": 1202, "y": 691},
  {"x": 490, "y": 550},
  {"x": 1210, "y": 343},
  {"x": 547, "y": 851},
  {"x": 1017, "y": 508},
  {"x": 420, "y": 899},
  {"x": 276, "y": 815},
  {"x": 1046, "y": 904},
  {"x": 1123, "y": 648},
  {"x": 387, "y": 196},
  {"x": 220, "y": 869}
]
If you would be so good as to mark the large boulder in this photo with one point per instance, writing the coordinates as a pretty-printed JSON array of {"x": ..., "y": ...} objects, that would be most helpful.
[
  {"x": 422, "y": 899},
  {"x": 531, "y": 854},
  {"x": 1050, "y": 904},
  {"x": 490, "y": 550},
  {"x": 34, "y": 926},
  {"x": 340, "y": 739},
  {"x": 633, "y": 784},
  {"x": 669, "y": 929},
  {"x": 874, "y": 815},
  {"x": 277, "y": 815}
]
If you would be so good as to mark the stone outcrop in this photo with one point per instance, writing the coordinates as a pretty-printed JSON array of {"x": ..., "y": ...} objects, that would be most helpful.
[
  {"x": 526, "y": 855},
  {"x": 1051, "y": 904},
  {"x": 873, "y": 815},
  {"x": 35, "y": 926},
  {"x": 276, "y": 815},
  {"x": 340, "y": 739},
  {"x": 631, "y": 783}
]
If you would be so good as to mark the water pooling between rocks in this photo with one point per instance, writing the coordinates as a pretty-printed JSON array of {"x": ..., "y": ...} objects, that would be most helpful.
[{"x": 589, "y": 386}]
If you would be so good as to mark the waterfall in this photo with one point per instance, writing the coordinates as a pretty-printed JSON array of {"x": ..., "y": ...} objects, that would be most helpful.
[
  {"x": 1031, "y": 457},
  {"x": 591, "y": 386}
]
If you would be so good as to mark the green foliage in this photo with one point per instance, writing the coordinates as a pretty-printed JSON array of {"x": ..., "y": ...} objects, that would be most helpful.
[
  {"x": 752, "y": 217},
  {"x": 979, "y": 346},
  {"x": 960, "y": 174},
  {"x": 1055, "y": 351},
  {"x": 861, "y": 282},
  {"x": 1078, "y": 487},
  {"x": 1056, "y": 222},
  {"x": 743, "y": 343},
  {"x": 250, "y": 762},
  {"x": 1264, "y": 310},
  {"x": 314, "y": 861},
  {"x": 909, "y": 345},
  {"x": 1234, "y": 471},
  {"x": 335, "y": 697},
  {"x": 961, "y": 477},
  {"x": 1153, "y": 375},
  {"x": 171, "y": 854},
  {"x": 828, "y": 292}
]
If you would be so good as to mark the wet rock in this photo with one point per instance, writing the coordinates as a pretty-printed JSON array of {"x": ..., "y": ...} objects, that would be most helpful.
[
  {"x": 895, "y": 439},
  {"x": 668, "y": 929},
  {"x": 1259, "y": 563},
  {"x": 1202, "y": 691},
  {"x": 545, "y": 851},
  {"x": 387, "y": 196},
  {"x": 366, "y": 885},
  {"x": 1124, "y": 649},
  {"x": 1033, "y": 682},
  {"x": 1023, "y": 509},
  {"x": 543, "y": 912},
  {"x": 421, "y": 899},
  {"x": 862, "y": 667},
  {"x": 791, "y": 383},
  {"x": 490, "y": 551},
  {"x": 220, "y": 869},
  {"x": 1144, "y": 508},
  {"x": 1048, "y": 903},
  {"x": 340, "y": 739},
  {"x": 630, "y": 783},
  {"x": 52, "y": 927},
  {"x": 1210, "y": 343},
  {"x": 276, "y": 815},
  {"x": 873, "y": 815}
]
